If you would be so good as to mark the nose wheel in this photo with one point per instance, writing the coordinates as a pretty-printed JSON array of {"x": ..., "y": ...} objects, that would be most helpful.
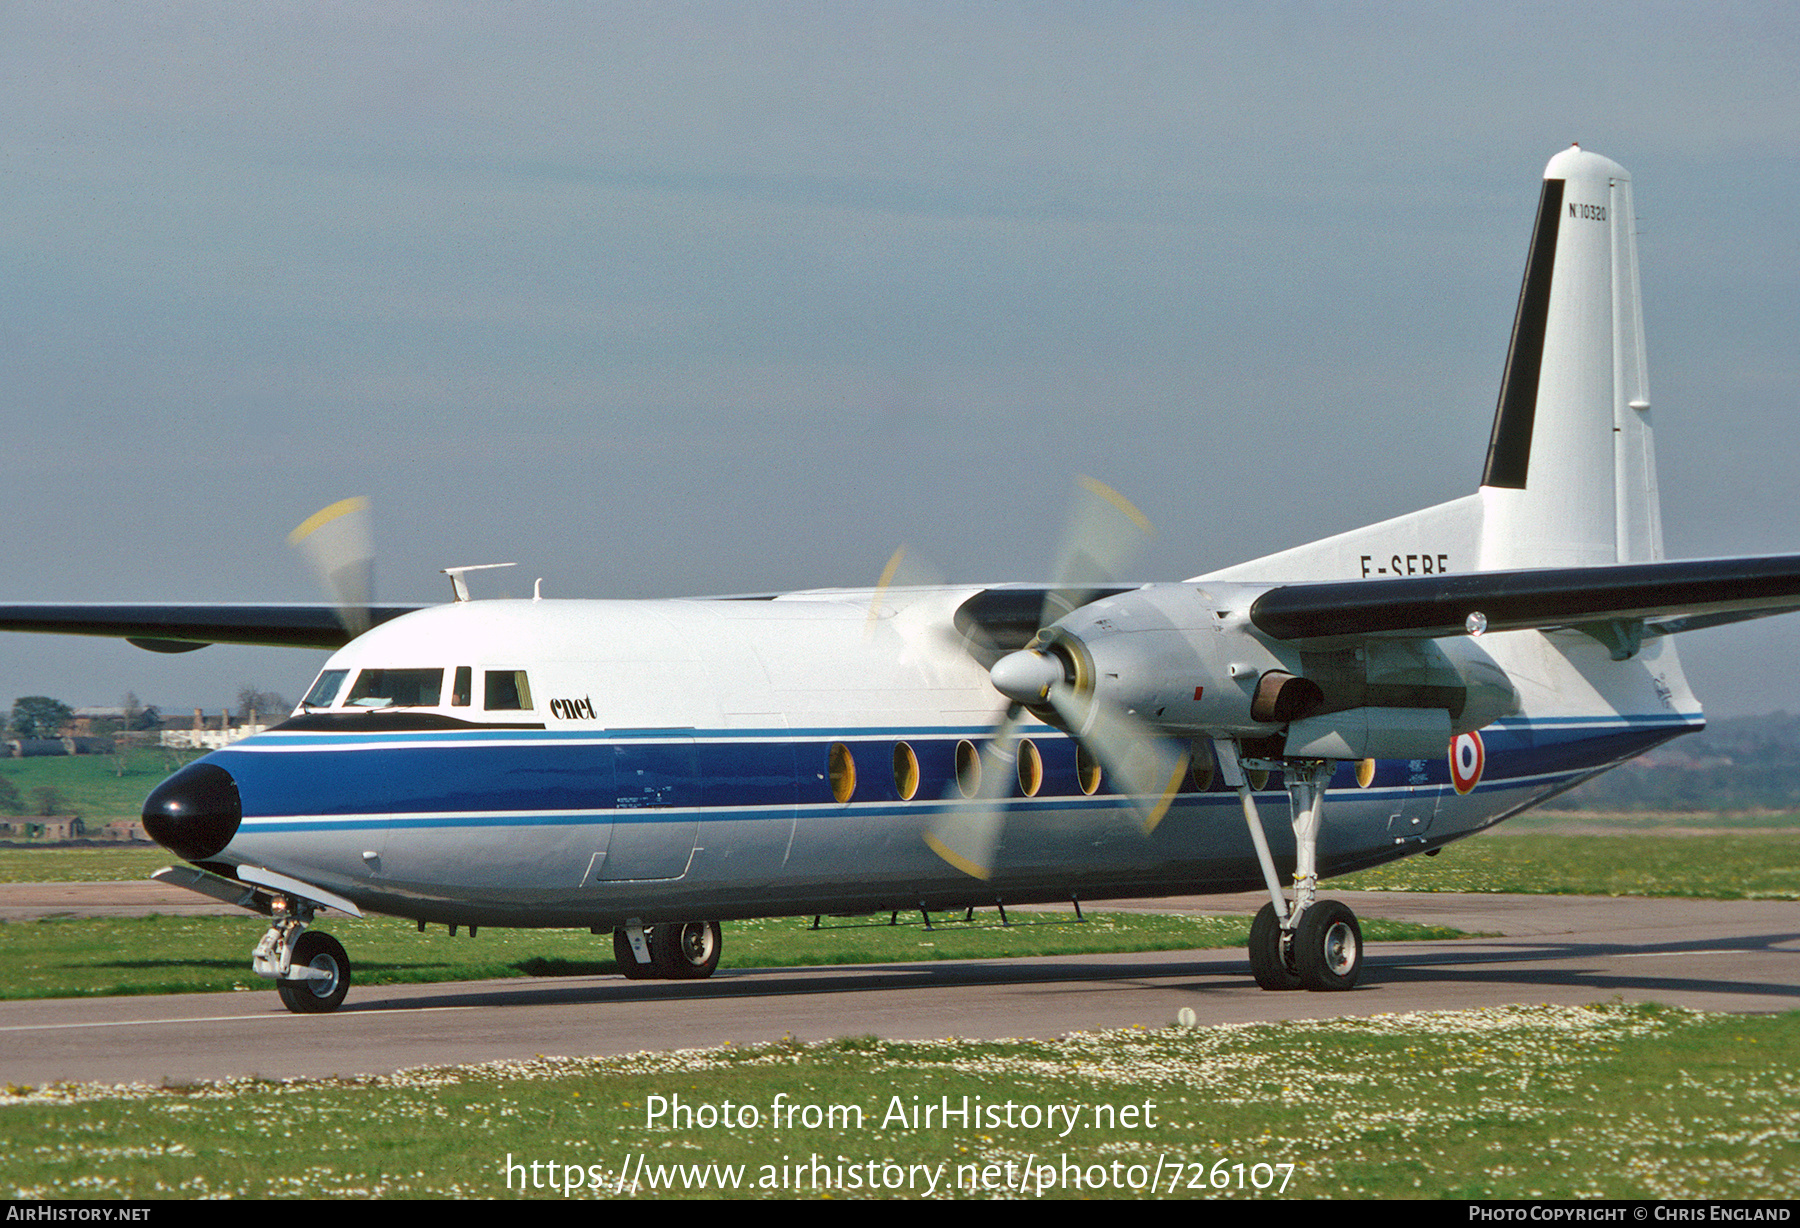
[{"x": 318, "y": 977}]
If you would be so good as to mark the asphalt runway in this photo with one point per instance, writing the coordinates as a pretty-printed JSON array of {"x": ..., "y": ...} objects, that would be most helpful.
[{"x": 1707, "y": 954}]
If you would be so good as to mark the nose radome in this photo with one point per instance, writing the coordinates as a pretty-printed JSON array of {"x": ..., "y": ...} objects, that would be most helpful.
[{"x": 195, "y": 812}]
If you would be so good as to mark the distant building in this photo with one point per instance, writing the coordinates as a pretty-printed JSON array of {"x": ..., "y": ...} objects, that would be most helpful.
[
  {"x": 43, "y": 827},
  {"x": 84, "y": 720},
  {"x": 31, "y": 748},
  {"x": 210, "y": 733}
]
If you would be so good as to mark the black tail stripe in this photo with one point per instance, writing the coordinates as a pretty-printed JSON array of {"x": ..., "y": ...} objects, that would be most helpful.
[{"x": 1509, "y": 450}]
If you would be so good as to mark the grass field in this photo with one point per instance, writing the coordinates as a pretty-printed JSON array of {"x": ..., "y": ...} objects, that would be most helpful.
[
  {"x": 1727, "y": 864},
  {"x": 1525, "y": 1102},
  {"x": 60, "y": 958},
  {"x": 98, "y": 788},
  {"x": 105, "y": 864},
  {"x": 1508, "y": 1102}
]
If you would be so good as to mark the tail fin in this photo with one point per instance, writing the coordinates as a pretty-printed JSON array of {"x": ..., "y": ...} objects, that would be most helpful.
[{"x": 1571, "y": 474}]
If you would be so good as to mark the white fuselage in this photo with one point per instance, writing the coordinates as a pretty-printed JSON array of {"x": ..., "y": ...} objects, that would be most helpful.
[{"x": 673, "y": 760}]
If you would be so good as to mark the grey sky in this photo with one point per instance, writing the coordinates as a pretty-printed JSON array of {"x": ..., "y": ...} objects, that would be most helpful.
[{"x": 672, "y": 299}]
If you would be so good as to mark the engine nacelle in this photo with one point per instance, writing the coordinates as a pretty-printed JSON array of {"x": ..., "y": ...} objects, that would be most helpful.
[
  {"x": 1185, "y": 658},
  {"x": 1178, "y": 657}
]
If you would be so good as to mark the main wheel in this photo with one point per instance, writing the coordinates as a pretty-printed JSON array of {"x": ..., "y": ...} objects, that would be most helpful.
[
  {"x": 627, "y": 959},
  {"x": 686, "y": 951},
  {"x": 323, "y": 992},
  {"x": 1271, "y": 959},
  {"x": 1328, "y": 949}
]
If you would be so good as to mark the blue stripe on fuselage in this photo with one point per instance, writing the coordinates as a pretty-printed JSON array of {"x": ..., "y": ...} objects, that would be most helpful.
[{"x": 485, "y": 778}]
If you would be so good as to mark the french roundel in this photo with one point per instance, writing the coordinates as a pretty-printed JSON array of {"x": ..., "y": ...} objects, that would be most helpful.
[{"x": 1467, "y": 759}]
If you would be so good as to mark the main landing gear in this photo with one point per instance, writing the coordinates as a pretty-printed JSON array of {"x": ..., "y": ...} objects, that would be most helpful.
[
  {"x": 674, "y": 951},
  {"x": 1315, "y": 944}
]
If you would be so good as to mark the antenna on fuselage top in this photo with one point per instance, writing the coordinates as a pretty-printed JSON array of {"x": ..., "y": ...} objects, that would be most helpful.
[{"x": 459, "y": 586}]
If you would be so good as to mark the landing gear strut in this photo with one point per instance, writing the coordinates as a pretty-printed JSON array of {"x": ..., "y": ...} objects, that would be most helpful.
[{"x": 1316, "y": 944}]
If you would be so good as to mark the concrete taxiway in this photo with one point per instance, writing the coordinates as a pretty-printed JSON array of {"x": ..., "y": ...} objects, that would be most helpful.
[{"x": 1706, "y": 954}]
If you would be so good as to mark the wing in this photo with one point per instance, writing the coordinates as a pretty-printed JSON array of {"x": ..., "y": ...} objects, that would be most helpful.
[
  {"x": 185, "y": 627},
  {"x": 1008, "y": 616},
  {"x": 1656, "y": 598}
]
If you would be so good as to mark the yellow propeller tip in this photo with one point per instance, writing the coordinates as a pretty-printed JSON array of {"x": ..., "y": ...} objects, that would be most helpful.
[
  {"x": 1097, "y": 487},
  {"x": 325, "y": 515},
  {"x": 957, "y": 859}
]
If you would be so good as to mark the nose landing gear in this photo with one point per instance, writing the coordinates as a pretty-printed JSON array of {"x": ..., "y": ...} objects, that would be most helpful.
[{"x": 310, "y": 970}]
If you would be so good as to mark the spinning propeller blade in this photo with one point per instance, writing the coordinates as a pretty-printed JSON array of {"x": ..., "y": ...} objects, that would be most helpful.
[
  {"x": 1143, "y": 764},
  {"x": 339, "y": 545},
  {"x": 1104, "y": 539},
  {"x": 969, "y": 838},
  {"x": 905, "y": 569}
]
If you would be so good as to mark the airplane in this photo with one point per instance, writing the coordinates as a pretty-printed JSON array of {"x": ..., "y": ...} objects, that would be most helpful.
[{"x": 647, "y": 769}]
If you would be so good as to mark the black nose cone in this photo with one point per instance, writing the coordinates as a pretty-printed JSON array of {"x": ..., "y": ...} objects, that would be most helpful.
[{"x": 195, "y": 812}]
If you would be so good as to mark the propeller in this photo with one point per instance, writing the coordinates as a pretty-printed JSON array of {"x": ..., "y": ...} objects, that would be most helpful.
[
  {"x": 904, "y": 569},
  {"x": 968, "y": 837},
  {"x": 1104, "y": 539},
  {"x": 1148, "y": 766},
  {"x": 339, "y": 545}
]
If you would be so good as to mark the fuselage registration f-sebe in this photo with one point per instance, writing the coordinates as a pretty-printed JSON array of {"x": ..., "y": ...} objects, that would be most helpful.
[{"x": 647, "y": 769}]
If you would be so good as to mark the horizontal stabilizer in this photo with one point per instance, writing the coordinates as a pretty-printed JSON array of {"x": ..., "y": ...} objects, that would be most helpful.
[
  {"x": 1669, "y": 596},
  {"x": 175, "y": 628}
]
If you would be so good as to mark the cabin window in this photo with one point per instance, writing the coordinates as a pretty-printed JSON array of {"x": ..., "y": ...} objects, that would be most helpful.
[
  {"x": 843, "y": 772},
  {"x": 396, "y": 688},
  {"x": 325, "y": 691},
  {"x": 968, "y": 769},
  {"x": 507, "y": 690},
  {"x": 462, "y": 687},
  {"x": 1200, "y": 761},
  {"x": 906, "y": 771},
  {"x": 1031, "y": 768},
  {"x": 1087, "y": 771}
]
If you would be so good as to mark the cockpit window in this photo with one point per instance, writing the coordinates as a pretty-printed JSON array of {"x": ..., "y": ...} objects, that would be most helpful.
[
  {"x": 507, "y": 690},
  {"x": 396, "y": 688},
  {"x": 462, "y": 687},
  {"x": 326, "y": 689}
]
